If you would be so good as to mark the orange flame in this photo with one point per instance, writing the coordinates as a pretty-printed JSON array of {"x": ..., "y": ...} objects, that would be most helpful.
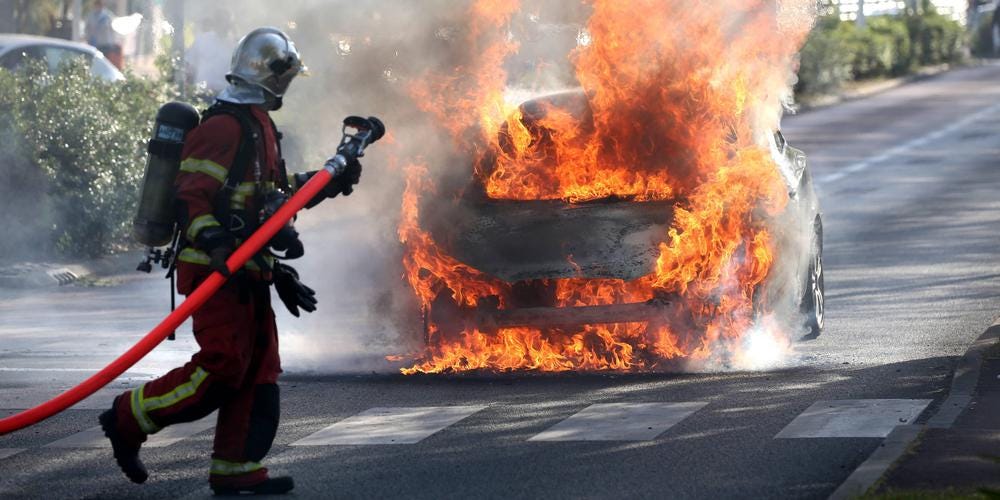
[{"x": 681, "y": 96}]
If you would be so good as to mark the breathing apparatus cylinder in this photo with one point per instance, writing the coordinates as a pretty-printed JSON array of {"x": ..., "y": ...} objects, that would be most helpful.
[{"x": 154, "y": 221}]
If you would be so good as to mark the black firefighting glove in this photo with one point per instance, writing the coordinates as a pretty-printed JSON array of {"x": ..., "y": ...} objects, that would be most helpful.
[
  {"x": 341, "y": 184},
  {"x": 350, "y": 178},
  {"x": 291, "y": 291},
  {"x": 219, "y": 244},
  {"x": 287, "y": 240}
]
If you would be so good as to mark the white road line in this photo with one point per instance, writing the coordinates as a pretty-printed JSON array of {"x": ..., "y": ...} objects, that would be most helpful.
[
  {"x": 908, "y": 146},
  {"x": 28, "y": 397},
  {"x": 94, "y": 437},
  {"x": 9, "y": 452},
  {"x": 619, "y": 422},
  {"x": 854, "y": 418},
  {"x": 389, "y": 426}
]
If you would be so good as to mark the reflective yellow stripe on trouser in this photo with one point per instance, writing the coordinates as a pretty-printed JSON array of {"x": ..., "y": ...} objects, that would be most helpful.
[
  {"x": 141, "y": 405},
  {"x": 224, "y": 468}
]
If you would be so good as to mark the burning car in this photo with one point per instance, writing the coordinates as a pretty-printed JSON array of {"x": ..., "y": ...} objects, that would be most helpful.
[
  {"x": 530, "y": 255},
  {"x": 653, "y": 219}
]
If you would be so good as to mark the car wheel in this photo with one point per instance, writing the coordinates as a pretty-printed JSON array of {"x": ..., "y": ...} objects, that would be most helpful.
[{"x": 814, "y": 299}]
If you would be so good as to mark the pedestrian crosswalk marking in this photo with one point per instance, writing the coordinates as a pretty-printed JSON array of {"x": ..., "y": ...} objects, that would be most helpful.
[
  {"x": 94, "y": 436},
  {"x": 872, "y": 418},
  {"x": 854, "y": 418},
  {"x": 389, "y": 426},
  {"x": 619, "y": 422},
  {"x": 9, "y": 452}
]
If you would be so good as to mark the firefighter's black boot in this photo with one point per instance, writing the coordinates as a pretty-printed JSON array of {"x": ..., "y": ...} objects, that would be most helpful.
[
  {"x": 270, "y": 486},
  {"x": 126, "y": 453}
]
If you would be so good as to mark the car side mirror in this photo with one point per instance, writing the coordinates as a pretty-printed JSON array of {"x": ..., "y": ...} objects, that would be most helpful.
[{"x": 779, "y": 141}]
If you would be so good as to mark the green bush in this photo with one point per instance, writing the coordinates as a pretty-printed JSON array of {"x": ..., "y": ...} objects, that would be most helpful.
[
  {"x": 825, "y": 60},
  {"x": 839, "y": 51},
  {"x": 874, "y": 52},
  {"x": 73, "y": 158},
  {"x": 895, "y": 34},
  {"x": 936, "y": 38}
]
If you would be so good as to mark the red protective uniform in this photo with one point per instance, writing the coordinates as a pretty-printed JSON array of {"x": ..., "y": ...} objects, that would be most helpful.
[{"x": 237, "y": 368}]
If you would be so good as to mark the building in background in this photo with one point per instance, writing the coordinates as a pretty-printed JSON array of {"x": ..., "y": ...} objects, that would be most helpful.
[{"x": 956, "y": 9}]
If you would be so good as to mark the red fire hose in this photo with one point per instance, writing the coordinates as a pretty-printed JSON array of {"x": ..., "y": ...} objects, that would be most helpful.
[{"x": 174, "y": 320}]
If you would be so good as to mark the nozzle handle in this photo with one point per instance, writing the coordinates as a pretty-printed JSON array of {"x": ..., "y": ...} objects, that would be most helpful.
[{"x": 366, "y": 131}]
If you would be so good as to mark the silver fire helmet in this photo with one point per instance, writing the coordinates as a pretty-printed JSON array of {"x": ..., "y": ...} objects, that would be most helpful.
[{"x": 266, "y": 58}]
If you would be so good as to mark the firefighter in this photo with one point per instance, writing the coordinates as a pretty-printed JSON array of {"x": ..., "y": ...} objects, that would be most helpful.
[{"x": 231, "y": 169}]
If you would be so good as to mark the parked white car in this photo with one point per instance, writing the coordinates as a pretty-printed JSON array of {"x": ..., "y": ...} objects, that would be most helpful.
[{"x": 16, "y": 49}]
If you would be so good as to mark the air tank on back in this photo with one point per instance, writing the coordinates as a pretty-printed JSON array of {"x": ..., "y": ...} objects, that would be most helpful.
[{"x": 154, "y": 221}]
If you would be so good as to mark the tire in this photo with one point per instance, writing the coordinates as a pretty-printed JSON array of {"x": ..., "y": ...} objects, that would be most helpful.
[
  {"x": 814, "y": 298},
  {"x": 995, "y": 37}
]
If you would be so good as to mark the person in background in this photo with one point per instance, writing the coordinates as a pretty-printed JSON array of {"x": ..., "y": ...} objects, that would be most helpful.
[
  {"x": 100, "y": 34},
  {"x": 207, "y": 59}
]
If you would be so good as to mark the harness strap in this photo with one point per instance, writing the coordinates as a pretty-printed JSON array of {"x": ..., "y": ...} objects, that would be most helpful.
[
  {"x": 245, "y": 155},
  {"x": 243, "y": 224},
  {"x": 282, "y": 169}
]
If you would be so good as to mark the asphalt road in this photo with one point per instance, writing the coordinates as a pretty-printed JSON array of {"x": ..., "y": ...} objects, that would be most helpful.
[{"x": 908, "y": 182}]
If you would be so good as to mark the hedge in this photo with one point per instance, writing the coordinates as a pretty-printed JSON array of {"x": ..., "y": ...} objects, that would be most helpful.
[
  {"x": 72, "y": 159},
  {"x": 887, "y": 46}
]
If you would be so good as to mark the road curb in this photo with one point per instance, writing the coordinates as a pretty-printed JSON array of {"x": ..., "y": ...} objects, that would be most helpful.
[
  {"x": 41, "y": 275},
  {"x": 963, "y": 385},
  {"x": 966, "y": 377},
  {"x": 34, "y": 275}
]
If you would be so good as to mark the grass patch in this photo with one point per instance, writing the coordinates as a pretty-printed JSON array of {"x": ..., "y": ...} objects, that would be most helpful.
[
  {"x": 947, "y": 494},
  {"x": 95, "y": 282}
]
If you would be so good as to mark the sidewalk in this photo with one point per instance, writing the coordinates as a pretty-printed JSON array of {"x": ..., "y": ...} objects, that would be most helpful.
[
  {"x": 960, "y": 460},
  {"x": 866, "y": 88},
  {"x": 33, "y": 275}
]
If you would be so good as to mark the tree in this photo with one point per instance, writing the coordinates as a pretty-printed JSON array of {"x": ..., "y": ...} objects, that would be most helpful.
[{"x": 36, "y": 17}]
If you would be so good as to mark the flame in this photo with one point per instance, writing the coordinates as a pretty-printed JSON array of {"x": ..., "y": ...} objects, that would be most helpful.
[
  {"x": 681, "y": 98},
  {"x": 428, "y": 269}
]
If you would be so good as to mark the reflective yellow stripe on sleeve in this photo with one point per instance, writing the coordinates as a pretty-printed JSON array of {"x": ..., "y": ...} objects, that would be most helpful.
[
  {"x": 246, "y": 191},
  {"x": 199, "y": 223},
  {"x": 243, "y": 192},
  {"x": 226, "y": 468},
  {"x": 246, "y": 188},
  {"x": 194, "y": 256},
  {"x": 207, "y": 167}
]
